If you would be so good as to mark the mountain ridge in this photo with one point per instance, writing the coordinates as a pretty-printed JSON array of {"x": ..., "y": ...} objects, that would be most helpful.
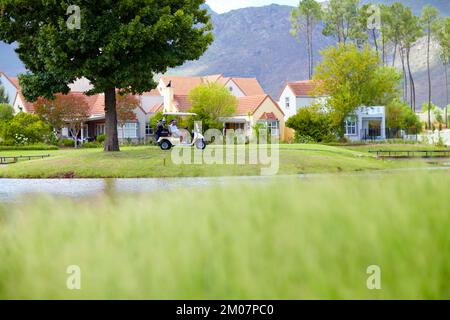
[{"x": 255, "y": 42}]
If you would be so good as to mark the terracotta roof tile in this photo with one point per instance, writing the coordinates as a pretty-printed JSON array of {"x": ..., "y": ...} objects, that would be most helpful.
[
  {"x": 268, "y": 116},
  {"x": 183, "y": 85},
  {"x": 14, "y": 81},
  {"x": 303, "y": 88},
  {"x": 159, "y": 107},
  {"x": 249, "y": 104},
  {"x": 182, "y": 103},
  {"x": 250, "y": 86}
]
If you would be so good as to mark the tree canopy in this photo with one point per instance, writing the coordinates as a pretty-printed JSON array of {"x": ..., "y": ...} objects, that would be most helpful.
[
  {"x": 64, "y": 110},
  {"x": 119, "y": 45},
  {"x": 210, "y": 102},
  {"x": 342, "y": 20},
  {"x": 353, "y": 77}
]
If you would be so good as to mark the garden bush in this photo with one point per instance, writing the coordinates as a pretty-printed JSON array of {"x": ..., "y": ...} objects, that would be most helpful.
[
  {"x": 314, "y": 123},
  {"x": 68, "y": 143},
  {"x": 25, "y": 129},
  {"x": 91, "y": 145},
  {"x": 100, "y": 138},
  {"x": 31, "y": 147}
]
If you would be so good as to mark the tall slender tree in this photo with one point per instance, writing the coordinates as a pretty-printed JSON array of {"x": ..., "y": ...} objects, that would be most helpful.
[
  {"x": 410, "y": 32},
  {"x": 341, "y": 18},
  {"x": 429, "y": 20},
  {"x": 306, "y": 16},
  {"x": 443, "y": 37},
  {"x": 114, "y": 44}
]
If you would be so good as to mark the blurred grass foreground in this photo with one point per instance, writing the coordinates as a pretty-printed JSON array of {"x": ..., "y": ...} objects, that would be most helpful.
[{"x": 287, "y": 239}]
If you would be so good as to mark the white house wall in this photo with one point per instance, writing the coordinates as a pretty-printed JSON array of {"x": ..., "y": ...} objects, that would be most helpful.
[
  {"x": 234, "y": 89},
  {"x": 10, "y": 89},
  {"x": 292, "y": 109}
]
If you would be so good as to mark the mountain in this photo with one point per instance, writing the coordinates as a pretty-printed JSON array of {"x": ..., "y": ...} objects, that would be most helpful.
[
  {"x": 255, "y": 42},
  {"x": 417, "y": 5}
]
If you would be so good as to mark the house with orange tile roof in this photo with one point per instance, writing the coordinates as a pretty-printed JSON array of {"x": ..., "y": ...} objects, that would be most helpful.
[
  {"x": 254, "y": 105},
  {"x": 366, "y": 123},
  {"x": 296, "y": 95}
]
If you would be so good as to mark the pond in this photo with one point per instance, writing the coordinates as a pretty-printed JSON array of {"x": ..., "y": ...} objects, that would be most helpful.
[{"x": 12, "y": 190}]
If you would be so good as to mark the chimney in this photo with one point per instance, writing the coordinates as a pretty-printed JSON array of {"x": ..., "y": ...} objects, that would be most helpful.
[{"x": 168, "y": 98}]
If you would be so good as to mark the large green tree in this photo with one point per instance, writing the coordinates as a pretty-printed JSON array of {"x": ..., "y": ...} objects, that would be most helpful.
[
  {"x": 305, "y": 17},
  {"x": 211, "y": 102},
  {"x": 118, "y": 45},
  {"x": 352, "y": 78},
  {"x": 429, "y": 20}
]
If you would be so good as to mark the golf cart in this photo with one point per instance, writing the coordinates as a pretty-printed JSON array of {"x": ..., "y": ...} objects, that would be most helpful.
[{"x": 166, "y": 140}]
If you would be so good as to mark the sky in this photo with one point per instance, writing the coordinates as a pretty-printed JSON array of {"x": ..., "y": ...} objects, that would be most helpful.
[{"x": 221, "y": 6}]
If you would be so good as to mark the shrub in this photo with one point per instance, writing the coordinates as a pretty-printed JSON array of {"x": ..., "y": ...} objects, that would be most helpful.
[
  {"x": 26, "y": 128},
  {"x": 314, "y": 123},
  {"x": 399, "y": 115},
  {"x": 6, "y": 112},
  {"x": 100, "y": 138},
  {"x": 299, "y": 138},
  {"x": 91, "y": 145},
  {"x": 69, "y": 143},
  {"x": 31, "y": 147}
]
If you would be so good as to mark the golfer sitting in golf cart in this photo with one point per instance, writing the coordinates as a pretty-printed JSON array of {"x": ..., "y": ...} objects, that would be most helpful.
[
  {"x": 175, "y": 132},
  {"x": 173, "y": 137}
]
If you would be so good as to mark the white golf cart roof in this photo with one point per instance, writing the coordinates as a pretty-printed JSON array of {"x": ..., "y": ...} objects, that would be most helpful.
[{"x": 179, "y": 114}]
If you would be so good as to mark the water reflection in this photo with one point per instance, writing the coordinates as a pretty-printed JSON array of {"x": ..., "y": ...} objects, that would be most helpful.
[{"x": 17, "y": 189}]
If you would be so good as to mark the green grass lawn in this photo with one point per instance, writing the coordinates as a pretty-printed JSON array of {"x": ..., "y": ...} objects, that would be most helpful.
[
  {"x": 152, "y": 162},
  {"x": 396, "y": 147},
  {"x": 286, "y": 239}
]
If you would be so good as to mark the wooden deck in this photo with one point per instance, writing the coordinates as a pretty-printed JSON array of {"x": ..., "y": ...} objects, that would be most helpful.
[
  {"x": 15, "y": 159},
  {"x": 412, "y": 153}
]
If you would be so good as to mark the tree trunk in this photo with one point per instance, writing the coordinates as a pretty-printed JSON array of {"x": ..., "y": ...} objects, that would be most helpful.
[
  {"x": 375, "y": 41},
  {"x": 111, "y": 141},
  {"x": 411, "y": 81},
  {"x": 405, "y": 80},
  {"x": 429, "y": 77},
  {"x": 311, "y": 54},
  {"x": 446, "y": 91},
  {"x": 395, "y": 55},
  {"x": 308, "y": 40}
]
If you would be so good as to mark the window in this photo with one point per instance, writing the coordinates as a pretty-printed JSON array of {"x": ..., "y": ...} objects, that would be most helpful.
[
  {"x": 350, "y": 126},
  {"x": 148, "y": 130},
  {"x": 100, "y": 129},
  {"x": 288, "y": 102},
  {"x": 273, "y": 127},
  {"x": 230, "y": 88},
  {"x": 129, "y": 130}
]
